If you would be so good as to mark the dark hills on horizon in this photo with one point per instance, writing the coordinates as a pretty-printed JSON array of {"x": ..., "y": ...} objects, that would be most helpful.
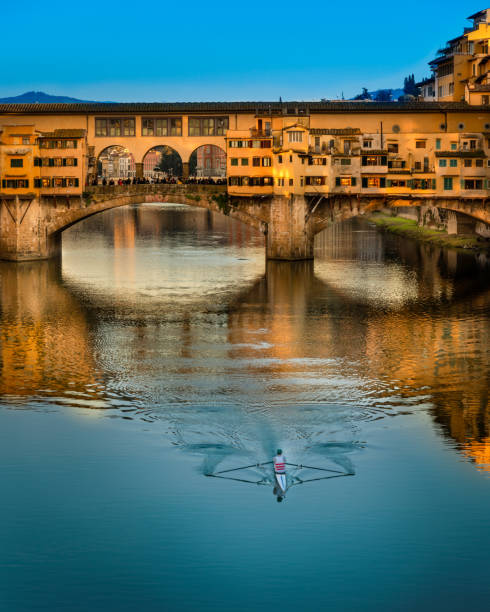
[{"x": 39, "y": 97}]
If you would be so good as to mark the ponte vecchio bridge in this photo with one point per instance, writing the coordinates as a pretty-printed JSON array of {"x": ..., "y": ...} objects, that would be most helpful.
[{"x": 292, "y": 168}]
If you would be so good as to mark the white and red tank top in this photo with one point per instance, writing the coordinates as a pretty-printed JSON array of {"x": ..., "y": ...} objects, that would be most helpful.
[{"x": 279, "y": 464}]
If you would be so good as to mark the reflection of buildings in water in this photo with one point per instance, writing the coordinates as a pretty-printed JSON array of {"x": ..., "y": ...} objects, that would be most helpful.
[{"x": 45, "y": 347}]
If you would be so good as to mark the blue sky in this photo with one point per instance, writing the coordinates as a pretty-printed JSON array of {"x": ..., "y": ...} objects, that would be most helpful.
[{"x": 156, "y": 51}]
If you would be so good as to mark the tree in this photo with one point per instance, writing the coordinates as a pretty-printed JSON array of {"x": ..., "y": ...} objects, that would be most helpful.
[
  {"x": 364, "y": 95},
  {"x": 384, "y": 95},
  {"x": 170, "y": 161},
  {"x": 409, "y": 86}
]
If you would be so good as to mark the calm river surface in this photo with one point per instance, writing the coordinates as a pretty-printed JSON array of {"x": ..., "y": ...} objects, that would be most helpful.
[{"x": 162, "y": 348}]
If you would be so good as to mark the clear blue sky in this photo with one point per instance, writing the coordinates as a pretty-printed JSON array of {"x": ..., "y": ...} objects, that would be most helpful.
[{"x": 157, "y": 51}]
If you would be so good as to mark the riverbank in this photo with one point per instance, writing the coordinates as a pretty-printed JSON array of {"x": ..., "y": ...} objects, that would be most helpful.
[{"x": 410, "y": 229}]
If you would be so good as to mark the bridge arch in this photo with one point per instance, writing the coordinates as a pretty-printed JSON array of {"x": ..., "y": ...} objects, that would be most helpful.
[
  {"x": 207, "y": 161},
  {"x": 102, "y": 198}
]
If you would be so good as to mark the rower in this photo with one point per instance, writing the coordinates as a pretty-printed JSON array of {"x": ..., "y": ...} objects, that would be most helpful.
[{"x": 279, "y": 462}]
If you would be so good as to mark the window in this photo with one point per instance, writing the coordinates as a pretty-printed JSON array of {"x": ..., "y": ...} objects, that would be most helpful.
[
  {"x": 374, "y": 182},
  {"x": 397, "y": 164},
  {"x": 291, "y": 182},
  {"x": 454, "y": 146},
  {"x": 256, "y": 161},
  {"x": 244, "y": 161},
  {"x": 317, "y": 161},
  {"x": 26, "y": 140},
  {"x": 468, "y": 163},
  {"x": 448, "y": 183},
  {"x": 396, "y": 183},
  {"x": 115, "y": 126},
  {"x": 472, "y": 184},
  {"x": 207, "y": 126},
  {"x": 45, "y": 182},
  {"x": 71, "y": 182},
  {"x": 367, "y": 144},
  {"x": 16, "y": 163},
  {"x": 438, "y": 144},
  {"x": 279, "y": 159},
  {"x": 315, "y": 180},
  {"x": 15, "y": 183},
  {"x": 70, "y": 161},
  {"x": 234, "y": 161},
  {"x": 295, "y": 136},
  {"x": 420, "y": 144},
  {"x": 347, "y": 146},
  {"x": 374, "y": 160},
  {"x": 392, "y": 147},
  {"x": 479, "y": 163},
  {"x": 442, "y": 163},
  {"x": 485, "y": 100},
  {"x": 453, "y": 163},
  {"x": 417, "y": 165},
  {"x": 345, "y": 162},
  {"x": 345, "y": 181},
  {"x": 266, "y": 161}
]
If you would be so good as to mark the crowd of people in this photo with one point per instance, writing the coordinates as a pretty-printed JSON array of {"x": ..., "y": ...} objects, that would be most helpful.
[{"x": 158, "y": 180}]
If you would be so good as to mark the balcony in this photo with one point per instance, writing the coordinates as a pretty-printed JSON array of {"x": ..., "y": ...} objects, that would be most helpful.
[{"x": 255, "y": 133}]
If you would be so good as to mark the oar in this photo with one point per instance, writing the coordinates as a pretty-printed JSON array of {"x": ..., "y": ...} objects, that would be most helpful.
[
  {"x": 310, "y": 467},
  {"x": 316, "y": 479},
  {"x": 255, "y": 482},
  {"x": 245, "y": 467}
]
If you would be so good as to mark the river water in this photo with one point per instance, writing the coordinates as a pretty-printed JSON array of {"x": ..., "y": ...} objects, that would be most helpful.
[{"x": 162, "y": 348}]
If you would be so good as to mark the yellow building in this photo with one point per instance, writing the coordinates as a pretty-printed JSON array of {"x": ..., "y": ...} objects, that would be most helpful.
[
  {"x": 373, "y": 153},
  {"x": 461, "y": 69},
  {"x": 42, "y": 163}
]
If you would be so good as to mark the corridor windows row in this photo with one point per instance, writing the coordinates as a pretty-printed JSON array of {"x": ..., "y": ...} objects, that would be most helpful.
[
  {"x": 55, "y": 162},
  {"x": 166, "y": 126},
  {"x": 118, "y": 126},
  {"x": 250, "y": 181},
  {"x": 56, "y": 182},
  {"x": 208, "y": 126}
]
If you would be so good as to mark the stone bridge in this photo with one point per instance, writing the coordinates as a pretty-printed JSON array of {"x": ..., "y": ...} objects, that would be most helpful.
[{"x": 31, "y": 226}]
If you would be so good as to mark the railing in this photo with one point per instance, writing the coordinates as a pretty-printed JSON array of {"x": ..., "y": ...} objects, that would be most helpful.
[{"x": 255, "y": 133}]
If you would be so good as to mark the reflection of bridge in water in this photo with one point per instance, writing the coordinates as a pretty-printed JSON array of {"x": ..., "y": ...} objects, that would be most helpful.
[{"x": 297, "y": 356}]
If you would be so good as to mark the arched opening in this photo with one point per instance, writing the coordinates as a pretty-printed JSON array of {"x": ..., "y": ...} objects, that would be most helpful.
[
  {"x": 114, "y": 163},
  {"x": 207, "y": 161},
  {"x": 162, "y": 162}
]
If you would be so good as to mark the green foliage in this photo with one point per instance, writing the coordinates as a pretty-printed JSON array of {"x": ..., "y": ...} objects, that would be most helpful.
[
  {"x": 409, "y": 86},
  {"x": 223, "y": 202},
  {"x": 364, "y": 95},
  {"x": 170, "y": 161}
]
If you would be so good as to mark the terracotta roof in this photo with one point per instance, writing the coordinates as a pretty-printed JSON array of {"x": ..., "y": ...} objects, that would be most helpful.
[
  {"x": 235, "y": 107},
  {"x": 335, "y": 132},
  {"x": 62, "y": 133},
  {"x": 471, "y": 153}
]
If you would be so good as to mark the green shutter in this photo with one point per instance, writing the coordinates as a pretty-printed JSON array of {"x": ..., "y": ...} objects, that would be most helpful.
[
  {"x": 337, "y": 181},
  {"x": 51, "y": 161},
  {"x": 75, "y": 161},
  {"x": 76, "y": 182},
  {"x": 384, "y": 160},
  {"x": 462, "y": 183},
  {"x": 353, "y": 181},
  {"x": 4, "y": 183},
  {"x": 64, "y": 161},
  {"x": 63, "y": 182},
  {"x": 388, "y": 183},
  {"x": 364, "y": 161},
  {"x": 364, "y": 181},
  {"x": 434, "y": 184},
  {"x": 382, "y": 182}
]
